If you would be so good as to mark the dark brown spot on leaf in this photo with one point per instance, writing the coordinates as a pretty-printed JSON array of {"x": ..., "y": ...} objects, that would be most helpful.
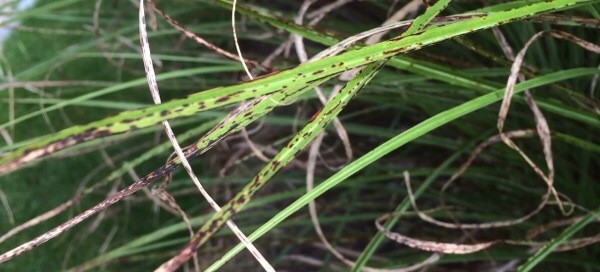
[{"x": 223, "y": 99}]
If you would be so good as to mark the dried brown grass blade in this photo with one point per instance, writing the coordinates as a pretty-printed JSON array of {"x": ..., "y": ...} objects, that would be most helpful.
[
  {"x": 447, "y": 248},
  {"x": 541, "y": 123}
]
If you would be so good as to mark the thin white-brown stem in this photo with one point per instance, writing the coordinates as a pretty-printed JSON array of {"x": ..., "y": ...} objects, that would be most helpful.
[{"x": 153, "y": 85}]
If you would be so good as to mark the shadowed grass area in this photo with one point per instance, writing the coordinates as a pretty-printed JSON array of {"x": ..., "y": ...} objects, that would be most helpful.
[{"x": 70, "y": 63}]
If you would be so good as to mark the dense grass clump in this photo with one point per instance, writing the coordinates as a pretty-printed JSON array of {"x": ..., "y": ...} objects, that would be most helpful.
[{"x": 452, "y": 141}]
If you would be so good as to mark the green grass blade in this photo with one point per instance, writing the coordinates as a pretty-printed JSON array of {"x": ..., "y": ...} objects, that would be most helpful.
[
  {"x": 422, "y": 20},
  {"x": 545, "y": 250}
]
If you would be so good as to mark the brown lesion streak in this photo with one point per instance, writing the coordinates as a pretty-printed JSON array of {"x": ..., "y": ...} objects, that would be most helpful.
[
  {"x": 394, "y": 51},
  {"x": 203, "y": 235},
  {"x": 36, "y": 152},
  {"x": 219, "y": 219},
  {"x": 212, "y": 226}
]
